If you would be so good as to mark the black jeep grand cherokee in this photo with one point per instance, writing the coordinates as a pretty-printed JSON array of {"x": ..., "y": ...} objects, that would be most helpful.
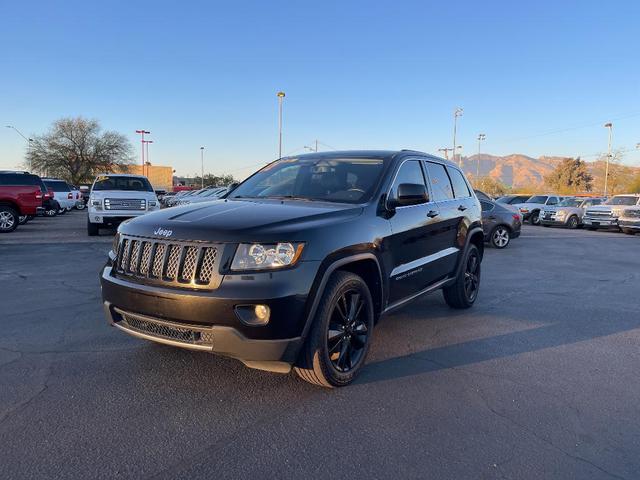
[{"x": 296, "y": 265}]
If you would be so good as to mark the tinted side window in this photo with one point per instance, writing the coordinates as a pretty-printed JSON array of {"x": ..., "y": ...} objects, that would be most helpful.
[
  {"x": 410, "y": 172},
  {"x": 552, "y": 201},
  {"x": 440, "y": 184},
  {"x": 460, "y": 188},
  {"x": 486, "y": 206},
  {"x": 16, "y": 179}
]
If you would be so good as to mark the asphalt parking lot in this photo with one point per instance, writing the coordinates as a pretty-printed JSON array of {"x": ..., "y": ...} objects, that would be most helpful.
[{"x": 538, "y": 380}]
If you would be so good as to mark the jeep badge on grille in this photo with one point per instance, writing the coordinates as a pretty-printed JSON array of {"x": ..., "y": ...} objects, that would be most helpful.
[{"x": 162, "y": 232}]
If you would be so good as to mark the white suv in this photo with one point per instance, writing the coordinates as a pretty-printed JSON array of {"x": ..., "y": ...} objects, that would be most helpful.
[{"x": 117, "y": 197}]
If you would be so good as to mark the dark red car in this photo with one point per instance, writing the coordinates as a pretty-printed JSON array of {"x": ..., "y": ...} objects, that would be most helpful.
[{"x": 20, "y": 195}]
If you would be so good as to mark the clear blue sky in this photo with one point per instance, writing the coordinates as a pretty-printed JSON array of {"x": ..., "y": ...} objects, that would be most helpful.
[{"x": 357, "y": 74}]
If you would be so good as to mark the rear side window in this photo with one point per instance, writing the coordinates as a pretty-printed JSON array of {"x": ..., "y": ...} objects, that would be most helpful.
[
  {"x": 57, "y": 186},
  {"x": 18, "y": 179},
  {"x": 410, "y": 172},
  {"x": 460, "y": 187},
  {"x": 440, "y": 184},
  {"x": 486, "y": 206},
  {"x": 538, "y": 199}
]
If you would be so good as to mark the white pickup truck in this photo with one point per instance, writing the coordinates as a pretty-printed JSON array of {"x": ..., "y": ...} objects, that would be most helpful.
[{"x": 117, "y": 197}]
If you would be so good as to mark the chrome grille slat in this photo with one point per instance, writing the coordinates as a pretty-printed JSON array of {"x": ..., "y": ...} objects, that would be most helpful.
[
  {"x": 125, "y": 204},
  {"x": 166, "y": 262}
]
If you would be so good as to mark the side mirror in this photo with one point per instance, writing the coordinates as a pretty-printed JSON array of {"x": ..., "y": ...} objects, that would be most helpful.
[{"x": 410, "y": 194}]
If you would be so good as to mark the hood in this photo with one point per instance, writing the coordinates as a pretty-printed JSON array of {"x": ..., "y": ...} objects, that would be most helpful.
[
  {"x": 600, "y": 208},
  {"x": 241, "y": 220}
]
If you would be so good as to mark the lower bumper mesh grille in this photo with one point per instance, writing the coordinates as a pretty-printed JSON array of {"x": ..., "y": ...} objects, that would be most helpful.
[{"x": 184, "y": 334}]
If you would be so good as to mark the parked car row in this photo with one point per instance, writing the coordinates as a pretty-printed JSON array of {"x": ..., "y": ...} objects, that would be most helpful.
[
  {"x": 23, "y": 196},
  {"x": 620, "y": 211}
]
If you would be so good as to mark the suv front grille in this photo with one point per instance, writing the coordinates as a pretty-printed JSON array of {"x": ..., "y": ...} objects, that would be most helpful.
[
  {"x": 125, "y": 204},
  {"x": 188, "y": 335},
  {"x": 168, "y": 263},
  {"x": 598, "y": 214}
]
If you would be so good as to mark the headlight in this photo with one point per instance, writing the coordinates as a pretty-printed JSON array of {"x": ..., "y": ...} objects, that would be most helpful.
[
  {"x": 267, "y": 256},
  {"x": 97, "y": 204}
]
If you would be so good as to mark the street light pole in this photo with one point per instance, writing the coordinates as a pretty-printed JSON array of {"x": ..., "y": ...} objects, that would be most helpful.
[
  {"x": 446, "y": 152},
  {"x": 606, "y": 170},
  {"x": 457, "y": 113},
  {"x": 281, "y": 96},
  {"x": 28, "y": 140},
  {"x": 202, "y": 165},
  {"x": 481, "y": 137},
  {"x": 147, "y": 162},
  {"x": 142, "y": 132}
]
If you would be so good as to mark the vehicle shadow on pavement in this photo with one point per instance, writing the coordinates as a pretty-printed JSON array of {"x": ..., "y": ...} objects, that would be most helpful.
[{"x": 562, "y": 332}]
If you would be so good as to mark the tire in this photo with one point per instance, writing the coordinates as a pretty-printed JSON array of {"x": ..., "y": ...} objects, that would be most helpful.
[
  {"x": 9, "y": 219},
  {"x": 500, "y": 237},
  {"x": 534, "y": 219},
  {"x": 573, "y": 222},
  {"x": 346, "y": 308},
  {"x": 93, "y": 229},
  {"x": 69, "y": 209},
  {"x": 51, "y": 212},
  {"x": 23, "y": 219},
  {"x": 62, "y": 211},
  {"x": 80, "y": 206},
  {"x": 464, "y": 292}
]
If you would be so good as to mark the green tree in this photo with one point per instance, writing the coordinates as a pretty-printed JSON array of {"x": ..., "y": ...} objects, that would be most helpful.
[
  {"x": 570, "y": 176},
  {"x": 76, "y": 149},
  {"x": 211, "y": 180},
  {"x": 490, "y": 186}
]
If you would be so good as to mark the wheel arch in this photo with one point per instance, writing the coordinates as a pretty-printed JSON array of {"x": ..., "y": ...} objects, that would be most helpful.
[{"x": 364, "y": 264}]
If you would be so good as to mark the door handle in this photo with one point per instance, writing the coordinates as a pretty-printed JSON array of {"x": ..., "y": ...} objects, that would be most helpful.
[
  {"x": 462, "y": 208},
  {"x": 432, "y": 214}
]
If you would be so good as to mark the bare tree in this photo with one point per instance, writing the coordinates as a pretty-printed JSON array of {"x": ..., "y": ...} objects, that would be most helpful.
[{"x": 76, "y": 149}]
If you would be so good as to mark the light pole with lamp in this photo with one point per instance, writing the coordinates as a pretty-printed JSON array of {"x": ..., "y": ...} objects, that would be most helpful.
[
  {"x": 481, "y": 137},
  {"x": 457, "y": 113},
  {"x": 202, "y": 165},
  {"x": 608, "y": 125},
  {"x": 28, "y": 140},
  {"x": 142, "y": 132},
  {"x": 147, "y": 161},
  {"x": 281, "y": 96}
]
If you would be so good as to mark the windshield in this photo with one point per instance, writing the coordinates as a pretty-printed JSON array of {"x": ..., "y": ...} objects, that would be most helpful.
[
  {"x": 135, "y": 184},
  {"x": 344, "y": 180},
  {"x": 537, "y": 199},
  {"x": 571, "y": 202},
  {"x": 622, "y": 201}
]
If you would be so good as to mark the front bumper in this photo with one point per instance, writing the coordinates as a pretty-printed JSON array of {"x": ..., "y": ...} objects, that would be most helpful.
[
  {"x": 630, "y": 224},
  {"x": 600, "y": 222},
  {"x": 207, "y": 320}
]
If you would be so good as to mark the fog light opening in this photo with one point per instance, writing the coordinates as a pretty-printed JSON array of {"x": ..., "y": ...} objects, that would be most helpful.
[{"x": 254, "y": 315}]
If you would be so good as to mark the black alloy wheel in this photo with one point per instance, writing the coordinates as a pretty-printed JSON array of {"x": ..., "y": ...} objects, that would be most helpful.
[
  {"x": 464, "y": 291},
  {"x": 348, "y": 333},
  {"x": 338, "y": 341},
  {"x": 472, "y": 276},
  {"x": 572, "y": 223},
  {"x": 535, "y": 218}
]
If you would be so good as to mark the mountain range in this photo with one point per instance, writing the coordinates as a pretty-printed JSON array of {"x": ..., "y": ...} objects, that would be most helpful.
[{"x": 523, "y": 172}]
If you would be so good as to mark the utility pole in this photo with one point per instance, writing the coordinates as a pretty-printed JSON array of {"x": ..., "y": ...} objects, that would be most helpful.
[
  {"x": 202, "y": 165},
  {"x": 446, "y": 152},
  {"x": 606, "y": 171},
  {"x": 142, "y": 132},
  {"x": 457, "y": 113},
  {"x": 481, "y": 137},
  {"x": 312, "y": 149},
  {"x": 281, "y": 96}
]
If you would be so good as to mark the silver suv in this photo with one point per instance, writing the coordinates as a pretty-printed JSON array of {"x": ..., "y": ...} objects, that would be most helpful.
[
  {"x": 568, "y": 213},
  {"x": 606, "y": 215}
]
